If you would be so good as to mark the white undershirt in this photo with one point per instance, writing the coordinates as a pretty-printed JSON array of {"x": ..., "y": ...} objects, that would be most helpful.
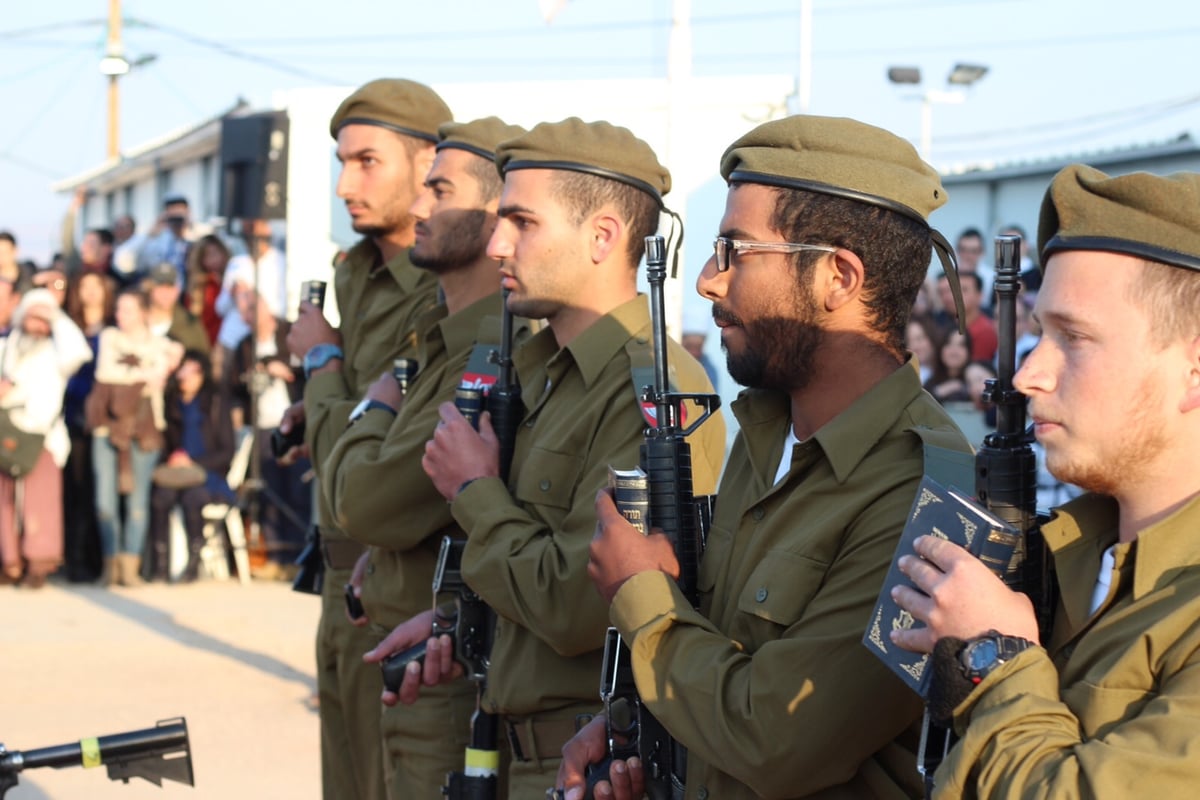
[
  {"x": 785, "y": 463},
  {"x": 1103, "y": 580}
]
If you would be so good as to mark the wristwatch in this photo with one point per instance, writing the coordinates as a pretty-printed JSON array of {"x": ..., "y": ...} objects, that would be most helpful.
[
  {"x": 981, "y": 656},
  {"x": 319, "y": 355},
  {"x": 366, "y": 405}
]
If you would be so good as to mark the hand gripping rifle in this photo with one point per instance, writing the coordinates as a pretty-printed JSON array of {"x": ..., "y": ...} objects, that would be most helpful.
[
  {"x": 469, "y": 621},
  {"x": 1005, "y": 482},
  {"x": 154, "y": 754},
  {"x": 666, "y": 460}
]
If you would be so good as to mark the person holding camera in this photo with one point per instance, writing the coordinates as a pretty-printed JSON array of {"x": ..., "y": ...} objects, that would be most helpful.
[{"x": 169, "y": 240}]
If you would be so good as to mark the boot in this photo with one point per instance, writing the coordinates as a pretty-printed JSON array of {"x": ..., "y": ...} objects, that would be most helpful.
[
  {"x": 130, "y": 567},
  {"x": 110, "y": 575},
  {"x": 191, "y": 573},
  {"x": 161, "y": 566}
]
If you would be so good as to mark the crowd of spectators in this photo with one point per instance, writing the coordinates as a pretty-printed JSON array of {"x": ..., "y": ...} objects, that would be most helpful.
[
  {"x": 134, "y": 366},
  {"x": 955, "y": 366}
]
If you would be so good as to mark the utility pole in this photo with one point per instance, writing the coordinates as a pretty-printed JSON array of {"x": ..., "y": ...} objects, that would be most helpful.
[{"x": 114, "y": 50}]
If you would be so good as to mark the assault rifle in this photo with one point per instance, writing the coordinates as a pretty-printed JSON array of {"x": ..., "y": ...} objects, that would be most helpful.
[
  {"x": 666, "y": 460},
  {"x": 153, "y": 754},
  {"x": 1005, "y": 482}
]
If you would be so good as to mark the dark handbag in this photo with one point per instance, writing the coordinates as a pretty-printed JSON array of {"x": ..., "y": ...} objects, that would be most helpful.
[
  {"x": 19, "y": 450},
  {"x": 180, "y": 476}
]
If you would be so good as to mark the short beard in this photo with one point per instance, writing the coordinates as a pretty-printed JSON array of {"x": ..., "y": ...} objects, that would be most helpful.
[
  {"x": 533, "y": 309},
  {"x": 780, "y": 354},
  {"x": 458, "y": 242},
  {"x": 1142, "y": 439}
]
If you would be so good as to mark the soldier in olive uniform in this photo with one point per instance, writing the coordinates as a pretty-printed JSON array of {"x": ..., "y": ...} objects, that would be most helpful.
[
  {"x": 822, "y": 248},
  {"x": 385, "y": 133},
  {"x": 579, "y": 199},
  {"x": 1109, "y": 706},
  {"x": 373, "y": 481}
]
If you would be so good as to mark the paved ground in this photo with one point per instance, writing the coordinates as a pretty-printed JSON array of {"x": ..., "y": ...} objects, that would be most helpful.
[{"x": 236, "y": 661}]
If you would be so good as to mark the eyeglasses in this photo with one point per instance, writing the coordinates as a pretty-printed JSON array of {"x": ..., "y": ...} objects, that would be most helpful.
[{"x": 725, "y": 248}]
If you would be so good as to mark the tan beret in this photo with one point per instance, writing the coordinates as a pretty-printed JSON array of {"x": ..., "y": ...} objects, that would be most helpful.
[
  {"x": 596, "y": 148},
  {"x": 1143, "y": 215},
  {"x": 837, "y": 156},
  {"x": 403, "y": 106},
  {"x": 480, "y": 136}
]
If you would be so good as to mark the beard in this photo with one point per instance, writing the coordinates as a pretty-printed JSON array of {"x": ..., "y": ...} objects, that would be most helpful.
[
  {"x": 1143, "y": 437},
  {"x": 392, "y": 217},
  {"x": 778, "y": 352},
  {"x": 456, "y": 241}
]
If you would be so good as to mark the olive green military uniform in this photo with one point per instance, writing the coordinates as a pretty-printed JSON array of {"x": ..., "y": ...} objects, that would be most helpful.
[
  {"x": 380, "y": 496},
  {"x": 380, "y": 304},
  {"x": 527, "y": 550},
  {"x": 1111, "y": 708},
  {"x": 768, "y": 685}
]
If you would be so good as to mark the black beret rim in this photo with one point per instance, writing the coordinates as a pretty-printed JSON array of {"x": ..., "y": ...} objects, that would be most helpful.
[
  {"x": 455, "y": 144},
  {"x": 1110, "y": 244},
  {"x": 574, "y": 166},
  {"x": 429, "y": 137},
  {"x": 745, "y": 176}
]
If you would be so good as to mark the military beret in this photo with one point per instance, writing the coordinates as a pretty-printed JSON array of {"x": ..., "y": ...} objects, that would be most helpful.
[
  {"x": 595, "y": 148},
  {"x": 403, "y": 106},
  {"x": 837, "y": 156},
  {"x": 1143, "y": 215},
  {"x": 481, "y": 136}
]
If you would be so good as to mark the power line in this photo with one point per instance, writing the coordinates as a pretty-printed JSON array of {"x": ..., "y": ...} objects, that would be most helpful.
[
  {"x": 233, "y": 52},
  {"x": 54, "y": 98},
  {"x": 1142, "y": 111},
  {"x": 54, "y": 26}
]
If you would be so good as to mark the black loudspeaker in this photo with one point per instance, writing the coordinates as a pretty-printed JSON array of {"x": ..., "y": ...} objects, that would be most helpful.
[{"x": 254, "y": 151}]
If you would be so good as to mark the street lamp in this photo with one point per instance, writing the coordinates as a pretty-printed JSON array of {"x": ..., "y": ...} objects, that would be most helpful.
[
  {"x": 114, "y": 65},
  {"x": 963, "y": 76}
]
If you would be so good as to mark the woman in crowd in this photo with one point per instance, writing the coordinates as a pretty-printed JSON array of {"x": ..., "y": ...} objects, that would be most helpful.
[
  {"x": 39, "y": 355},
  {"x": 205, "y": 272},
  {"x": 948, "y": 382},
  {"x": 124, "y": 413},
  {"x": 918, "y": 340},
  {"x": 199, "y": 442},
  {"x": 89, "y": 303}
]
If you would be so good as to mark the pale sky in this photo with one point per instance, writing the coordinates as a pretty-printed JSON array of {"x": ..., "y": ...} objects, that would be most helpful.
[{"x": 1066, "y": 77}]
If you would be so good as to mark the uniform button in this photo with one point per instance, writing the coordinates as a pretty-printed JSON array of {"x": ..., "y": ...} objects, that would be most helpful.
[
  {"x": 702, "y": 794},
  {"x": 641, "y": 340},
  {"x": 544, "y": 485},
  {"x": 758, "y": 513},
  {"x": 370, "y": 569},
  {"x": 761, "y": 594}
]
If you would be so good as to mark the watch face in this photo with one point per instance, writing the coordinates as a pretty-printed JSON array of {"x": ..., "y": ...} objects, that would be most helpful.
[{"x": 983, "y": 654}]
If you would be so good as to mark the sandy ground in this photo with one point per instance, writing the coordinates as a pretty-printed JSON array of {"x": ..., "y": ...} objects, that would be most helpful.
[{"x": 236, "y": 661}]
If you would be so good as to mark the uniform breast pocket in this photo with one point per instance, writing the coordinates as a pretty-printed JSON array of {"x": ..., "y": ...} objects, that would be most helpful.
[
  {"x": 780, "y": 589},
  {"x": 548, "y": 478}
]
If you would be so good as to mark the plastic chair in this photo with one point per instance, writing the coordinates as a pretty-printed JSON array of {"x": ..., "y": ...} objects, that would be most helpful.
[
  {"x": 229, "y": 516},
  {"x": 219, "y": 518}
]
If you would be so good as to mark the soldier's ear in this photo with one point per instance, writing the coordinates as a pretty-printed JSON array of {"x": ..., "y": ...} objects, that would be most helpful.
[
  {"x": 1191, "y": 393},
  {"x": 605, "y": 229},
  {"x": 840, "y": 278}
]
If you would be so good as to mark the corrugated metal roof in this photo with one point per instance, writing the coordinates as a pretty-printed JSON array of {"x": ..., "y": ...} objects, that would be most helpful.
[
  {"x": 177, "y": 146},
  {"x": 1183, "y": 144}
]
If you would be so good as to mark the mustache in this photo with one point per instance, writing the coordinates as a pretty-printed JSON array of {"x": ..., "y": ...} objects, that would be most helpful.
[{"x": 723, "y": 315}]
